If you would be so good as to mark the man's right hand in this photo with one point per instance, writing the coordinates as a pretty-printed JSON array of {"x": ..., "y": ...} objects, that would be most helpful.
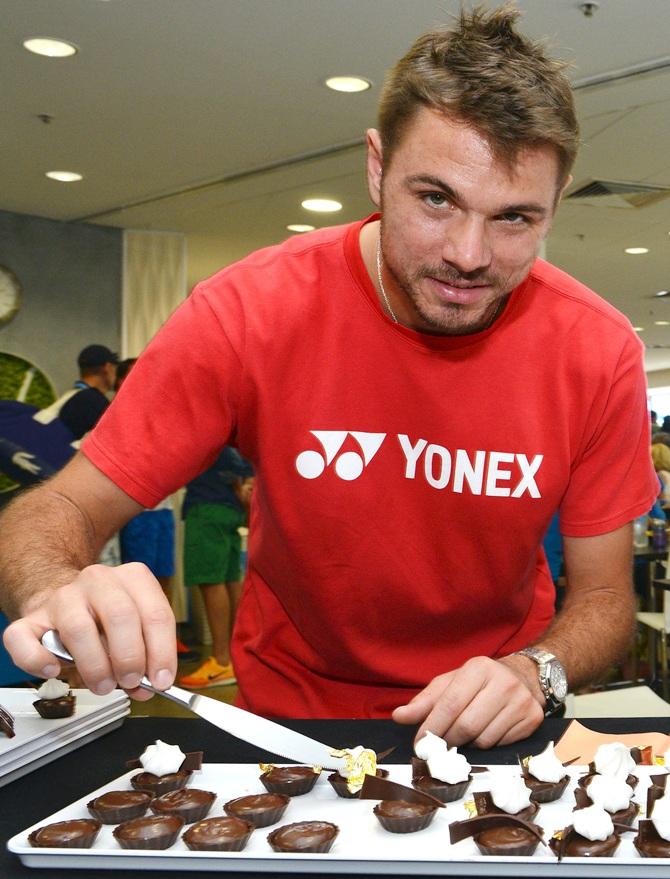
[{"x": 116, "y": 623}]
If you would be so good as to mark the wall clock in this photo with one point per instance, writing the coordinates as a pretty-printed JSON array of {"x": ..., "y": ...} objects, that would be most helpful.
[{"x": 10, "y": 294}]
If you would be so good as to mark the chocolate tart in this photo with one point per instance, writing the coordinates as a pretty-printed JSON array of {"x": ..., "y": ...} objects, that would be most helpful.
[
  {"x": 447, "y": 793},
  {"x": 188, "y": 803},
  {"x": 341, "y": 788},
  {"x": 294, "y": 781},
  {"x": 498, "y": 834},
  {"x": 53, "y": 708},
  {"x": 7, "y": 723},
  {"x": 574, "y": 845},
  {"x": 649, "y": 843},
  {"x": 545, "y": 791},
  {"x": 76, "y": 833},
  {"x": 260, "y": 810},
  {"x": 631, "y": 780},
  {"x": 157, "y": 832},
  {"x": 621, "y": 816},
  {"x": 220, "y": 834},
  {"x": 485, "y": 806},
  {"x": 399, "y": 816},
  {"x": 119, "y": 805},
  {"x": 160, "y": 784},
  {"x": 314, "y": 837}
]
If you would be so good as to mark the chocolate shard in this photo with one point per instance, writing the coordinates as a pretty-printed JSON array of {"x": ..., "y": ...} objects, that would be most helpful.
[
  {"x": 484, "y": 803},
  {"x": 192, "y": 761},
  {"x": 477, "y": 769},
  {"x": 659, "y": 780},
  {"x": 7, "y": 723},
  {"x": 582, "y": 799},
  {"x": 622, "y": 828},
  {"x": 382, "y": 755},
  {"x": 459, "y": 830},
  {"x": 571, "y": 761},
  {"x": 419, "y": 768},
  {"x": 654, "y": 792},
  {"x": 376, "y": 788}
]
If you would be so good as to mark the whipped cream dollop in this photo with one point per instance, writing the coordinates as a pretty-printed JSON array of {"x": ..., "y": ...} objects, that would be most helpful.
[
  {"x": 444, "y": 763},
  {"x": 614, "y": 759},
  {"x": 546, "y": 766},
  {"x": 609, "y": 792},
  {"x": 593, "y": 823},
  {"x": 162, "y": 759},
  {"x": 510, "y": 795},
  {"x": 53, "y": 689},
  {"x": 660, "y": 816}
]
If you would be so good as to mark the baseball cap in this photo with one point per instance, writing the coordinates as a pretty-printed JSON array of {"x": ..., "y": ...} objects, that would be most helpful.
[{"x": 96, "y": 355}]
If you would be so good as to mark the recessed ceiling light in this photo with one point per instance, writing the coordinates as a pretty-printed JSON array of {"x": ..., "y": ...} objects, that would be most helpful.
[
  {"x": 662, "y": 293},
  {"x": 50, "y": 47},
  {"x": 64, "y": 176},
  {"x": 639, "y": 329},
  {"x": 348, "y": 83},
  {"x": 662, "y": 323},
  {"x": 637, "y": 250},
  {"x": 300, "y": 227},
  {"x": 322, "y": 205}
]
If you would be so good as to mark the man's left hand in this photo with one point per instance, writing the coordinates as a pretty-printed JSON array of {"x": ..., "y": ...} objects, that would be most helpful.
[{"x": 485, "y": 702}]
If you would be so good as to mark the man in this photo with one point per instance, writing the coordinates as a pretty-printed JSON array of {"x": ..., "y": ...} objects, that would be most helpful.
[
  {"x": 97, "y": 372},
  {"x": 380, "y": 377}
]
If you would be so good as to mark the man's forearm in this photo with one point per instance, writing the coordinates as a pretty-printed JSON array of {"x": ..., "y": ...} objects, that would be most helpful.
[
  {"x": 591, "y": 633},
  {"x": 46, "y": 540}
]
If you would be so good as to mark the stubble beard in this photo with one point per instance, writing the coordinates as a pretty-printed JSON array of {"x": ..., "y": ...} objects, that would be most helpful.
[{"x": 451, "y": 318}]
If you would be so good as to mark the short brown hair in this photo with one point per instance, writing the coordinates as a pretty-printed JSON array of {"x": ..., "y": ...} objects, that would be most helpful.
[{"x": 488, "y": 75}]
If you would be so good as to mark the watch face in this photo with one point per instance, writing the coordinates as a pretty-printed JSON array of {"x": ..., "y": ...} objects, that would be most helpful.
[{"x": 557, "y": 679}]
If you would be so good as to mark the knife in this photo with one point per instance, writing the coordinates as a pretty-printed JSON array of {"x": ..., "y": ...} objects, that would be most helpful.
[{"x": 242, "y": 724}]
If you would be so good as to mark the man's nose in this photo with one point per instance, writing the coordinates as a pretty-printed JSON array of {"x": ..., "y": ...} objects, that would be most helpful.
[{"x": 467, "y": 245}]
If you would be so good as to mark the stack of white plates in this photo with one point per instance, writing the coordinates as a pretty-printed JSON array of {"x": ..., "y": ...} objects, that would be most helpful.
[{"x": 38, "y": 741}]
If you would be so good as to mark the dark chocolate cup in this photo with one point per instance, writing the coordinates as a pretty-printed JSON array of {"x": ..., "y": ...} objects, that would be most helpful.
[
  {"x": 409, "y": 820},
  {"x": 546, "y": 792},
  {"x": 157, "y": 785},
  {"x": 220, "y": 834},
  {"x": 156, "y": 832},
  {"x": 190, "y": 804},
  {"x": 293, "y": 786},
  {"x": 341, "y": 788},
  {"x": 304, "y": 837},
  {"x": 260, "y": 810},
  {"x": 649, "y": 843},
  {"x": 519, "y": 842},
  {"x": 577, "y": 846},
  {"x": 75, "y": 833},
  {"x": 50, "y": 709},
  {"x": 441, "y": 790},
  {"x": 110, "y": 808}
]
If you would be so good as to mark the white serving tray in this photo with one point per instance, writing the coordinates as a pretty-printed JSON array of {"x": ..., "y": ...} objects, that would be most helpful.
[{"x": 362, "y": 845}]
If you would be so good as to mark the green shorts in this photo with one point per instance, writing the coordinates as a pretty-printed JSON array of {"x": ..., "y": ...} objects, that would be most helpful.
[{"x": 212, "y": 544}]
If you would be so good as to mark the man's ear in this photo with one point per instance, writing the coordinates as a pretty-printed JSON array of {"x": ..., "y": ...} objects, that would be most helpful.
[
  {"x": 374, "y": 164},
  {"x": 567, "y": 183}
]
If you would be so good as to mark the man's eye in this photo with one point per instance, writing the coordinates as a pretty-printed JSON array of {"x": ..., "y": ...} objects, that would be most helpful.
[
  {"x": 436, "y": 199},
  {"x": 514, "y": 219}
]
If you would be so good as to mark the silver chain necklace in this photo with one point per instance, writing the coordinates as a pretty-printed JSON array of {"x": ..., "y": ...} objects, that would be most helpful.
[{"x": 381, "y": 283}]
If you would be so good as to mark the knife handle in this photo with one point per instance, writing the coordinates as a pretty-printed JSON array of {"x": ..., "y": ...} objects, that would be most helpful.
[{"x": 53, "y": 644}]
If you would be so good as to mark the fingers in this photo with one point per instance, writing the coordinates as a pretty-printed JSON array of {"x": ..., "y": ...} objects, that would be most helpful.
[
  {"x": 116, "y": 623},
  {"x": 22, "y": 640},
  {"x": 484, "y": 703}
]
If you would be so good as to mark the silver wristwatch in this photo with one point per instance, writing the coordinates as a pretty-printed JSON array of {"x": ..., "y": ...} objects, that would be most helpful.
[{"x": 552, "y": 678}]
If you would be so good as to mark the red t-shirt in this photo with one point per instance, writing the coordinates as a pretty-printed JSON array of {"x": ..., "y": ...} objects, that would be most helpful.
[{"x": 404, "y": 481}]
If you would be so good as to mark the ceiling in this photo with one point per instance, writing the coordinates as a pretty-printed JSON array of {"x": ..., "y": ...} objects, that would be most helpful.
[{"x": 210, "y": 117}]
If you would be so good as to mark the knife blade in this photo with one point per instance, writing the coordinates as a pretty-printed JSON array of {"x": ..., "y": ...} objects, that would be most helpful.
[{"x": 245, "y": 725}]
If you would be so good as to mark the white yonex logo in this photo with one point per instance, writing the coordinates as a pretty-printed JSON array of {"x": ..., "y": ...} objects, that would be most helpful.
[{"x": 349, "y": 465}]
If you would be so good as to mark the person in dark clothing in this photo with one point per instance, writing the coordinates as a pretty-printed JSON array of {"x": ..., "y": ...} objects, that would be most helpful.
[
  {"x": 214, "y": 509},
  {"x": 97, "y": 370}
]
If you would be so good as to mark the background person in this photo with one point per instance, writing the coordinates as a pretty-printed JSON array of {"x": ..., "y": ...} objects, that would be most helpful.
[{"x": 213, "y": 513}]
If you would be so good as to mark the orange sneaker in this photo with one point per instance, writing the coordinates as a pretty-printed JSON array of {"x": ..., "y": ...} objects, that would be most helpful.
[{"x": 209, "y": 674}]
